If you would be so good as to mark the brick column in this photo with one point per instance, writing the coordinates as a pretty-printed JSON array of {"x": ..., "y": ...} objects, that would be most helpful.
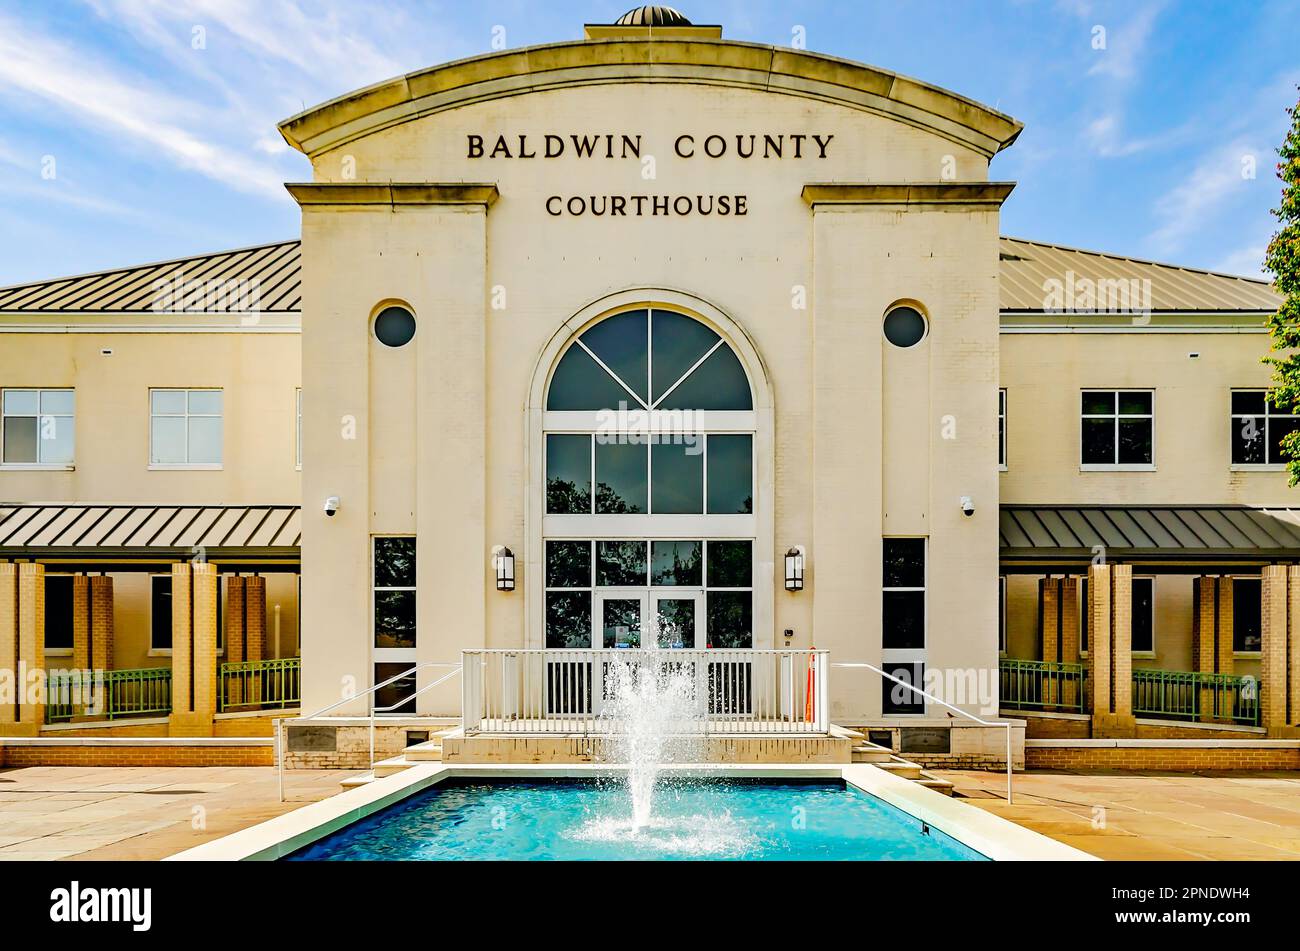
[
  {"x": 1273, "y": 648},
  {"x": 1099, "y": 656},
  {"x": 234, "y": 636},
  {"x": 9, "y": 643},
  {"x": 255, "y": 617},
  {"x": 101, "y": 623},
  {"x": 194, "y": 649},
  {"x": 234, "y": 619},
  {"x": 1069, "y": 607},
  {"x": 80, "y": 622},
  {"x": 1121, "y": 641},
  {"x": 1049, "y": 618},
  {"x": 1293, "y": 647},
  {"x": 31, "y": 646}
]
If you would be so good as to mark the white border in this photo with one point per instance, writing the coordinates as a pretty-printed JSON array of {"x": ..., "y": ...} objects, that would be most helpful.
[{"x": 988, "y": 834}]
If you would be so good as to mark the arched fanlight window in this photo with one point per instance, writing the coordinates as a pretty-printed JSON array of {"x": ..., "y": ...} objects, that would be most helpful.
[{"x": 653, "y": 360}]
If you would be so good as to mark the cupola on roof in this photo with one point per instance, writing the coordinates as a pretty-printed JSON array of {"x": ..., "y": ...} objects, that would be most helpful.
[{"x": 652, "y": 15}]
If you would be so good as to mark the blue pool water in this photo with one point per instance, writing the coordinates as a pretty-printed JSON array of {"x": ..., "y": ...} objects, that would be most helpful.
[{"x": 574, "y": 820}]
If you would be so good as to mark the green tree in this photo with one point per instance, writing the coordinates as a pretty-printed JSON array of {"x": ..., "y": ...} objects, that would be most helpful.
[{"x": 1283, "y": 260}]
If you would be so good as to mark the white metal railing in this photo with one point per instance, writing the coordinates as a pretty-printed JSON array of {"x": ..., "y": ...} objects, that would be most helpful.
[
  {"x": 374, "y": 711},
  {"x": 571, "y": 691},
  {"x": 947, "y": 706}
]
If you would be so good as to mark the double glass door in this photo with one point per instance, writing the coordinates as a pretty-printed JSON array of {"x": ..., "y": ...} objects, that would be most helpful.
[{"x": 632, "y": 618}]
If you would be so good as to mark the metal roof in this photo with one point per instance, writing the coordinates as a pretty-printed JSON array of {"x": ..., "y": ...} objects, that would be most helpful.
[
  {"x": 273, "y": 271},
  {"x": 1027, "y": 266},
  {"x": 148, "y": 530},
  {"x": 1149, "y": 531},
  {"x": 277, "y": 271}
]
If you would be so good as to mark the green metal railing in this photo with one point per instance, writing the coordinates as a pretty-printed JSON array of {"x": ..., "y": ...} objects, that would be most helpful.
[
  {"x": 260, "y": 684},
  {"x": 142, "y": 691},
  {"x": 1042, "y": 685},
  {"x": 1185, "y": 695}
]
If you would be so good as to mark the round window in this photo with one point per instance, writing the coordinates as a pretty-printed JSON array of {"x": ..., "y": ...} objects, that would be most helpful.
[
  {"x": 904, "y": 326},
  {"x": 395, "y": 326}
]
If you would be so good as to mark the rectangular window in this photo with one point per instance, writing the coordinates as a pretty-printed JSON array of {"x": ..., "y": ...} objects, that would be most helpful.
[
  {"x": 400, "y": 691},
  {"x": 1258, "y": 428},
  {"x": 568, "y": 594},
  {"x": 729, "y": 577},
  {"x": 37, "y": 427},
  {"x": 58, "y": 612},
  {"x": 1117, "y": 428},
  {"x": 160, "y": 612},
  {"x": 185, "y": 427},
  {"x": 394, "y": 592},
  {"x": 1002, "y": 428},
  {"x": 298, "y": 427},
  {"x": 903, "y": 623},
  {"x": 1002, "y": 614},
  {"x": 1143, "y": 624},
  {"x": 897, "y": 698},
  {"x": 1246, "y": 615}
]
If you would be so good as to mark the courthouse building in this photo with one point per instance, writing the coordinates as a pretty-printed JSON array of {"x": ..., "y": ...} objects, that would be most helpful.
[{"x": 649, "y": 337}]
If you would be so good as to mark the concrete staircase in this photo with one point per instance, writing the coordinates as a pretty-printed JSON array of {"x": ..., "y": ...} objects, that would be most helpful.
[
  {"x": 427, "y": 752},
  {"x": 882, "y": 758}
]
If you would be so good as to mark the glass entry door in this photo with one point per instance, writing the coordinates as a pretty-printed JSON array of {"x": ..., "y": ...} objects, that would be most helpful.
[{"x": 672, "y": 619}]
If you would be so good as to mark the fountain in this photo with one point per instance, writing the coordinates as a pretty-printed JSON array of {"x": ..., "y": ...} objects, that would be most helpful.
[{"x": 652, "y": 715}]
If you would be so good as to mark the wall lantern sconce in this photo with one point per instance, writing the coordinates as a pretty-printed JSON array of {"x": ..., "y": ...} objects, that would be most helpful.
[
  {"x": 504, "y": 563},
  {"x": 794, "y": 569}
]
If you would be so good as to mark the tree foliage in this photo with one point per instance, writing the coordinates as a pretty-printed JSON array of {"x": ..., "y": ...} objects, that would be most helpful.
[{"x": 1283, "y": 260}]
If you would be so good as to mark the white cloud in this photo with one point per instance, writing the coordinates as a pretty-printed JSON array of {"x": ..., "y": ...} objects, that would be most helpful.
[
  {"x": 102, "y": 96},
  {"x": 1125, "y": 46},
  {"x": 1247, "y": 261},
  {"x": 1188, "y": 206}
]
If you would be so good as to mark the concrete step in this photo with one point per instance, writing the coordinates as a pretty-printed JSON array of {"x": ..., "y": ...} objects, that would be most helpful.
[
  {"x": 388, "y": 767},
  {"x": 901, "y": 768},
  {"x": 361, "y": 779},
  {"x": 428, "y": 752},
  {"x": 930, "y": 781},
  {"x": 870, "y": 753}
]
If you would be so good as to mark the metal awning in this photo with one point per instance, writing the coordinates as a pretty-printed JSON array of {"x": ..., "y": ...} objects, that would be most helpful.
[
  {"x": 117, "y": 532},
  {"x": 1190, "y": 534}
]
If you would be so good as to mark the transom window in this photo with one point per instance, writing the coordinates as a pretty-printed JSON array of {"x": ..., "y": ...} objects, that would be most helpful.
[
  {"x": 1118, "y": 428},
  {"x": 649, "y": 359},
  {"x": 38, "y": 427},
  {"x": 1258, "y": 428}
]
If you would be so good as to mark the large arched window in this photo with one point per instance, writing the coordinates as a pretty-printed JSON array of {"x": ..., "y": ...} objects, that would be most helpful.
[{"x": 649, "y": 525}]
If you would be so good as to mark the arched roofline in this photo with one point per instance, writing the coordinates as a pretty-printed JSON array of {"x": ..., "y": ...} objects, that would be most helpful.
[{"x": 711, "y": 62}]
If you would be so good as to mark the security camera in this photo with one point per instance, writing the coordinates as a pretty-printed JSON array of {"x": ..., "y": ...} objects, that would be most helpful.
[
  {"x": 331, "y": 505},
  {"x": 967, "y": 506}
]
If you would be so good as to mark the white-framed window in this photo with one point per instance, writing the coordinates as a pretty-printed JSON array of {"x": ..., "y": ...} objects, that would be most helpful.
[
  {"x": 1117, "y": 429},
  {"x": 185, "y": 428},
  {"x": 1258, "y": 428},
  {"x": 903, "y": 622},
  {"x": 298, "y": 426},
  {"x": 1002, "y": 429},
  {"x": 38, "y": 427},
  {"x": 1142, "y": 630}
]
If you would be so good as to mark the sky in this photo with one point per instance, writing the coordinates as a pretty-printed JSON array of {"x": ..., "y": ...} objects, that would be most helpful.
[{"x": 134, "y": 131}]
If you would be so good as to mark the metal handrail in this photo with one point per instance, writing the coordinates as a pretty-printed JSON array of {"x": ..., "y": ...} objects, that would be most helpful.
[
  {"x": 946, "y": 705},
  {"x": 279, "y": 730}
]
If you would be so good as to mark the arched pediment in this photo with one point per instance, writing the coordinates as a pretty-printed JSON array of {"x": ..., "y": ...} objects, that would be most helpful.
[{"x": 776, "y": 70}]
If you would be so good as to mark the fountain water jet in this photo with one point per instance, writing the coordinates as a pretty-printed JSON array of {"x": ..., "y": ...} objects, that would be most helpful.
[{"x": 652, "y": 713}]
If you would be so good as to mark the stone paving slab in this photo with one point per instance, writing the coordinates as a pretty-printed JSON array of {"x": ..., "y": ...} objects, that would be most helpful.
[
  {"x": 1143, "y": 815},
  {"x": 92, "y": 813}
]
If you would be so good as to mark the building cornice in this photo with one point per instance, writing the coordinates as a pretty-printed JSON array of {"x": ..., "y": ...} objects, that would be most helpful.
[
  {"x": 392, "y": 193},
  {"x": 713, "y": 62},
  {"x": 988, "y": 194}
]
